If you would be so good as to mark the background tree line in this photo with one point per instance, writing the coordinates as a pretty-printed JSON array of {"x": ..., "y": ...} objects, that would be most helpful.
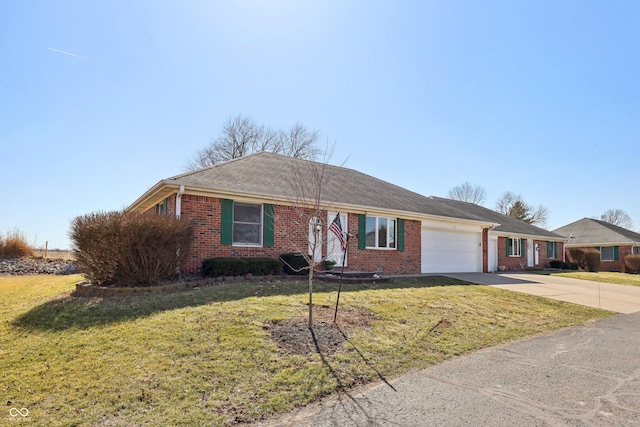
[{"x": 513, "y": 205}]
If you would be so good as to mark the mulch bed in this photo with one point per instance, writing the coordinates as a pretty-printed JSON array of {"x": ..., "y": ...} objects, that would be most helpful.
[{"x": 293, "y": 336}]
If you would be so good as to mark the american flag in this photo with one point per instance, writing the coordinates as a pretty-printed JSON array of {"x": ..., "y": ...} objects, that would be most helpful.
[{"x": 336, "y": 228}]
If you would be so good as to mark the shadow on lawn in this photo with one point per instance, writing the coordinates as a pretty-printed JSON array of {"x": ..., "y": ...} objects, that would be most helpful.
[
  {"x": 355, "y": 403},
  {"x": 82, "y": 313}
]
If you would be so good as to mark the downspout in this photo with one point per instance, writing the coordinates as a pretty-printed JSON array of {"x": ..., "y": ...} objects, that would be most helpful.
[{"x": 179, "y": 201}]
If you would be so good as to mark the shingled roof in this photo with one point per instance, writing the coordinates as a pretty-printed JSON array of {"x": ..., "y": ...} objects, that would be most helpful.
[
  {"x": 593, "y": 232},
  {"x": 270, "y": 176}
]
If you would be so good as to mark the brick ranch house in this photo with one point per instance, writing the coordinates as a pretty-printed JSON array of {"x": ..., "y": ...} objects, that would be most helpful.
[
  {"x": 614, "y": 243},
  {"x": 253, "y": 207}
]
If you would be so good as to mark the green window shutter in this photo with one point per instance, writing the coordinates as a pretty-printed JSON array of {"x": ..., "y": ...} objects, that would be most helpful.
[
  {"x": 268, "y": 229},
  {"x": 549, "y": 249},
  {"x": 508, "y": 245},
  {"x": 362, "y": 231},
  {"x": 615, "y": 253},
  {"x": 226, "y": 231},
  {"x": 400, "y": 223},
  {"x": 522, "y": 248}
]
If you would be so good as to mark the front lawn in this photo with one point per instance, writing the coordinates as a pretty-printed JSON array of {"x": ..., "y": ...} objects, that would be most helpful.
[
  {"x": 219, "y": 355},
  {"x": 603, "y": 276}
]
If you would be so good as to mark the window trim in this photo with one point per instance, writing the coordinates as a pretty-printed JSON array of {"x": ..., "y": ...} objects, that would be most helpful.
[
  {"x": 613, "y": 256},
  {"x": 517, "y": 252},
  {"x": 261, "y": 224},
  {"x": 388, "y": 236},
  {"x": 162, "y": 207}
]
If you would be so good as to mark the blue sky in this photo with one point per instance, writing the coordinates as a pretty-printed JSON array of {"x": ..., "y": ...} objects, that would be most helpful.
[{"x": 101, "y": 100}]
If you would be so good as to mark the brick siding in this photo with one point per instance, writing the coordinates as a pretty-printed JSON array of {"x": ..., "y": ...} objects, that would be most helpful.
[
  {"x": 205, "y": 213},
  {"x": 520, "y": 263}
]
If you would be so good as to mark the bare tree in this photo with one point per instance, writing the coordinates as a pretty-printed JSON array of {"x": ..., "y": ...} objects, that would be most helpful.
[
  {"x": 512, "y": 205},
  {"x": 241, "y": 136},
  {"x": 298, "y": 141},
  {"x": 304, "y": 229},
  {"x": 617, "y": 217},
  {"x": 468, "y": 193}
]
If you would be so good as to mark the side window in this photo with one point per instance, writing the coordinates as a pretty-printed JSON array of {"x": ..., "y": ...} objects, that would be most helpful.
[
  {"x": 161, "y": 208},
  {"x": 606, "y": 253}
]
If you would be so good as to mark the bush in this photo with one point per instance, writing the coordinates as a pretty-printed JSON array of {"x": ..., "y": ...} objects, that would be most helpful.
[
  {"x": 592, "y": 260},
  {"x": 563, "y": 265},
  {"x": 15, "y": 245},
  {"x": 570, "y": 266},
  {"x": 264, "y": 266},
  {"x": 295, "y": 263},
  {"x": 577, "y": 256},
  {"x": 216, "y": 267},
  {"x": 556, "y": 264},
  {"x": 632, "y": 262},
  {"x": 130, "y": 249}
]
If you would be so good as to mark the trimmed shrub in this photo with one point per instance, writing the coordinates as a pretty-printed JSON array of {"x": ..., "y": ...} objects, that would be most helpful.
[
  {"x": 264, "y": 266},
  {"x": 592, "y": 261},
  {"x": 577, "y": 256},
  {"x": 294, "y": 263},
  {"x": 632, "y": 262},
  {"x": 15, "y": 245},
  {"x": 563, "y": 265},
  {"x": 556, "y": 264},
  {"x": 130, "y": 249},
  {"x": 570, "y": 266},
  {"x": 216, "y": 267}
]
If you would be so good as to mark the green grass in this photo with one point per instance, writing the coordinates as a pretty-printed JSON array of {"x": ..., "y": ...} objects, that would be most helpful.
[
  {"x": 205, "y": 356},
  {"x": 603, "y": 276}
]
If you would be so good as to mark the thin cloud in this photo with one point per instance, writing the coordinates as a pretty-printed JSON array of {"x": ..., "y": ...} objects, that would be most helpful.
[{"x": 66, "y": 53}]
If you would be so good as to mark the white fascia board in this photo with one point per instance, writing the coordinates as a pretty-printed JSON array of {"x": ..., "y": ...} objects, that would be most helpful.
[
  {"x": 337, "y": 207},
  {"x": 526, "y": 236},
  {"x": 151, "y": 196},
  {"x": 582, "y": 245},
  {"x": 452, "y": 226}
]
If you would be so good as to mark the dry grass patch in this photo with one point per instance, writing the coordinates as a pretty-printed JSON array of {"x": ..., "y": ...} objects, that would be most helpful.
[
  {"x": 603, "y": 276},
  {"x": 209, "y": 357}
]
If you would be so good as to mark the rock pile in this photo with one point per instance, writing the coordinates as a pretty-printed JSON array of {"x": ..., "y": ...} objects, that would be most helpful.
[{"x": 22, "y": 266}]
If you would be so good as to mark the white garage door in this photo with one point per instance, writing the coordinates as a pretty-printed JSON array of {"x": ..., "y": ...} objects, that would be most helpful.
[{"x": 451, "y": 251}]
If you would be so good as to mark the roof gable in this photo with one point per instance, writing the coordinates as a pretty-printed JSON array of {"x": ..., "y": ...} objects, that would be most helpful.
[{"x": 593, "y": 232}]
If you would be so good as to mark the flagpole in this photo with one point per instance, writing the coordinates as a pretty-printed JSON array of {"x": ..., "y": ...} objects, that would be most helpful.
[{"x": 344, "y": 257}]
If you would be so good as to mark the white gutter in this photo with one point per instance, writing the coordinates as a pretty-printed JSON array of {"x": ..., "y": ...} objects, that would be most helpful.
[{"x": 179, "y": 201}]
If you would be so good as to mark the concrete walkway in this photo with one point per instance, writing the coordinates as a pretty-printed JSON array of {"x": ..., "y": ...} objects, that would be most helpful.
[
  {"x": 607, "y": 296},
  {"x": 582, "y": 376}
]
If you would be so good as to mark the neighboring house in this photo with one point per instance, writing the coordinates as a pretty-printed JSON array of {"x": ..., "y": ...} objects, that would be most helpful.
[
  {"x": 613, "y": 242},
  {"x": 245, "y": 208}
]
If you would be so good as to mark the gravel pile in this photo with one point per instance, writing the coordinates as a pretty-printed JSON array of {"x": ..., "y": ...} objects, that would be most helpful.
[{"x": 22, "y": 266}]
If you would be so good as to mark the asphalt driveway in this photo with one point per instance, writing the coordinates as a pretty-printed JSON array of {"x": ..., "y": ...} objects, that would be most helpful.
[
  {"x": 606, "y": 296},
  {"x": 587, "y": 375}
]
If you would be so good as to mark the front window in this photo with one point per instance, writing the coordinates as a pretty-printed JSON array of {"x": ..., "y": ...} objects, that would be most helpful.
[
  {"x": 606, "y": 253},
  {"x": 636, "y": 250},
  {"x": 380, "y": 232},
  {"x": 247, "y": 224},
  {"x": 515, "y": 248}
]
